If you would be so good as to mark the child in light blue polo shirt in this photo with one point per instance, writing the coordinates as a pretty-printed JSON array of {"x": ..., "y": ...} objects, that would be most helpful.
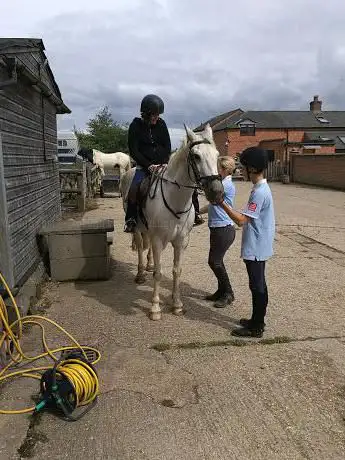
[
  {"x": 222, "y": 235},
  {"x": 258, "y": 223}
]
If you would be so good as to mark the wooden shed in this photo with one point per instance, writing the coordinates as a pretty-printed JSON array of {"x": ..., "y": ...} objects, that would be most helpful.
[{"x": 29, "y": 171}]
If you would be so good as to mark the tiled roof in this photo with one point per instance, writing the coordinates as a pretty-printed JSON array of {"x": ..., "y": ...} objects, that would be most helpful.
[
  {"x": 324, "y": 136},
  {"x": 287, "y": 119},
  {"x": 223, "y": 118}
]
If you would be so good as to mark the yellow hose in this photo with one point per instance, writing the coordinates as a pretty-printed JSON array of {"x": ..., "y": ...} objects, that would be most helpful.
[{"x": 82, "y": 377}]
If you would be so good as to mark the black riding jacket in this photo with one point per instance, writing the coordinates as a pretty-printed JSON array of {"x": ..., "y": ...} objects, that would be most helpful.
[{"x": 149, "y": 144}]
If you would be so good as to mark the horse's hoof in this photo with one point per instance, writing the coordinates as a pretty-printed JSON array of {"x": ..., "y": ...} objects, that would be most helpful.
[
  {"x": 150, "y": 268},
  {"x": 155, "y": 315},
  {"x": 140, "y": 279},
  {"x": 178, "y": 311}
]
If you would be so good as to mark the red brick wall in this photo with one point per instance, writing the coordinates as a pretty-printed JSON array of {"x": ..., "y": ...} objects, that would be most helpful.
[
  {"x": 277, "y": 146},
  {"x": 264, "y": 137},
  {"x": 220, "y": 138},
  {"x": 238, "y": 143},
  {"x": 322, "y": 170}
]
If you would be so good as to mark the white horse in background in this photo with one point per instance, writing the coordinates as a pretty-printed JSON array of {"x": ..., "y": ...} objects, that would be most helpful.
[
  {"x": 107, "y": 162},
  {"x": 168, "y": 210},
  {"x": 113, "y": 164}
]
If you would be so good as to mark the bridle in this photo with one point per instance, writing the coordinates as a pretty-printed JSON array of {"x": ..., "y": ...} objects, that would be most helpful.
[{"x": 199, "y": 181}]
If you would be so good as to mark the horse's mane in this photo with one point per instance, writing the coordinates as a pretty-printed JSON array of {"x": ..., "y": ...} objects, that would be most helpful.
[{"x": 181, "y": 151}]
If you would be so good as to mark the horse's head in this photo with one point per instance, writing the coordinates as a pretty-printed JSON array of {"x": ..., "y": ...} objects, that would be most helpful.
[
  {"x": 203, "y": 162},
  {"x": 87, "y": 154}
]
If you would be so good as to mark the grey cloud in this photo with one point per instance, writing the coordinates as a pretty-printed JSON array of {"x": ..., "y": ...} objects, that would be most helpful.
[{"x": 203, "y": 58}]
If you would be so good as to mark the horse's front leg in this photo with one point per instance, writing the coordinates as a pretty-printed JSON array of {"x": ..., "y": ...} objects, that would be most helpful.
[
  {"x": 177, "y": 270},
  {"x": 155, "y": 312},
  {"x": 141, "y": 276}
]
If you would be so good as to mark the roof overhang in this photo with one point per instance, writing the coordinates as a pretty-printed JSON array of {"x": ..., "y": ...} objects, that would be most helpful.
[{"x": 9, "y": 50}]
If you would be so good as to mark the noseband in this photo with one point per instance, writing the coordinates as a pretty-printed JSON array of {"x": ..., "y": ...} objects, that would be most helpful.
[{"x": 199, "y": 180}]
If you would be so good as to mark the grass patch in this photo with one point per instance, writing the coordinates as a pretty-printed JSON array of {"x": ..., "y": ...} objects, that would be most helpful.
[
  {"x": 278, "y": 339},
  {"x": 161, "y": 347}
]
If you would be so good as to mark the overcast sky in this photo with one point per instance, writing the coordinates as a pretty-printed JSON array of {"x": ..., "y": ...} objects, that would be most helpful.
[{"x": 202, "y": 57}]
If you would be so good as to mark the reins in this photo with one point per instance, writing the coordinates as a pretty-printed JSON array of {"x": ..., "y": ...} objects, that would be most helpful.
[{"x": 158, "y": 178}]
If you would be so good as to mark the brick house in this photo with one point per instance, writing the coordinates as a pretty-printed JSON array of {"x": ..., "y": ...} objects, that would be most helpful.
[{"x": 280, "y": 132}]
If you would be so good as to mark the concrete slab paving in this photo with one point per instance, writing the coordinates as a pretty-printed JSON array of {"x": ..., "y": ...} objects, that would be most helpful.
[
  {"x": 196, "y": 400},
  {"x": 262, "y": 402}
]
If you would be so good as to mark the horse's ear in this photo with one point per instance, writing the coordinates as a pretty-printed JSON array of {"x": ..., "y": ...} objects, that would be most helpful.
[
  {"x": 208, "y": 133},
  {"x": 190, "y": 134}
]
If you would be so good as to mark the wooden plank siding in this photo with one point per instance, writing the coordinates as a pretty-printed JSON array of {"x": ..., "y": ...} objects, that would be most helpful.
[{"x": 31, "y": 173}]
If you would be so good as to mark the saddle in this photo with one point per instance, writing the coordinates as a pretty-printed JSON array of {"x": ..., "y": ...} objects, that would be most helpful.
[
  {"x": 143, "y": 191},
  {"x": 142, "y": 194}
]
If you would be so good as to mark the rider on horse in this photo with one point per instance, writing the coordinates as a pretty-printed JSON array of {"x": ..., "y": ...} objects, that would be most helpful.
[{"x": 149, "y": 146}]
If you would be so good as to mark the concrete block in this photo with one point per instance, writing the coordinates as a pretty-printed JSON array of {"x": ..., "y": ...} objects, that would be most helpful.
[
  {"x": 71, "y": 227},
  {"x": 81, "y": 268},
  {"x": 79, "y": 250},
  {"x": 79, "y": 245}
]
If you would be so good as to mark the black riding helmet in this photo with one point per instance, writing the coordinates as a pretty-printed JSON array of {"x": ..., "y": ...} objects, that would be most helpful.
[
  {"x": 254, "y": 157},
  {"x": 152, "y": 105}
]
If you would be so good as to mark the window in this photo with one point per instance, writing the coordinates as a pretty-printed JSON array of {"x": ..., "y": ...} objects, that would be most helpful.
[
  {"x": 62, "y": 143},
  {"x": 247, "y": 129}
]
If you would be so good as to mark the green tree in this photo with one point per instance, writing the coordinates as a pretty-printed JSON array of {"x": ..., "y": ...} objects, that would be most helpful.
[{"x": 104, "y": 134}]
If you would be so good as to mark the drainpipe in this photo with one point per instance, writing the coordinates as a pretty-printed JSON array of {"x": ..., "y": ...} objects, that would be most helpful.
[{"x": 286, "y": 151}]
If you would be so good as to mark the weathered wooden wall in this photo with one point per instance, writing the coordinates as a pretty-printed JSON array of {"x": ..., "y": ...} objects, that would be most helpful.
[{"x": 29, "y": 135}]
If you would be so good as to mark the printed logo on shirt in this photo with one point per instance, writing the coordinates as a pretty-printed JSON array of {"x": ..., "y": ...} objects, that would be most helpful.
[{"x": 252, "y": 206}]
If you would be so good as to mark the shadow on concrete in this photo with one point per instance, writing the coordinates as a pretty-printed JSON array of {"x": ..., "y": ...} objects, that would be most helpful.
[{"x": 124, "y": 296}]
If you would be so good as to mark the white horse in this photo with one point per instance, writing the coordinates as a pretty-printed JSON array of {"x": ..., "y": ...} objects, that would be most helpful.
[
  {"x": 107, "y": 162},
  {"x": 169, "y": 212},
  {"x": 116, "y": 163}
]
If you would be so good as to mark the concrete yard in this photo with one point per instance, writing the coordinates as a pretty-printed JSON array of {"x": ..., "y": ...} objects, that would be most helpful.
[{"x": 183, "y": 388}]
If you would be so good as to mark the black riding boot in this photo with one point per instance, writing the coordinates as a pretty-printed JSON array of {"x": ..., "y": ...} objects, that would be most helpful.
[{"x": 131, "y": 217}]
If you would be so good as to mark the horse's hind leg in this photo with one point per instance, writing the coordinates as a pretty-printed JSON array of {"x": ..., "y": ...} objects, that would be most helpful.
[
  {"x": 150, "y": 264},
  {"x": 177, "y": 270},
  {"x": 155, "y": 311},
  {"x": 141, "y": 276}
]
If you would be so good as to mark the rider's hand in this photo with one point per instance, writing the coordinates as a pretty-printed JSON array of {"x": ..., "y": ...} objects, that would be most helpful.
[{"x": 152, "y": 168}]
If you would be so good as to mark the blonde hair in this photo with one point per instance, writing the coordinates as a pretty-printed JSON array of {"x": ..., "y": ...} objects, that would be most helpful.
[{"x": 227, "y": 163}]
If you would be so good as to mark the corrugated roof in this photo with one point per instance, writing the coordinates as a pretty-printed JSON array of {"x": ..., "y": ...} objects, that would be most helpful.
[{"x": 288, "y": 119}]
